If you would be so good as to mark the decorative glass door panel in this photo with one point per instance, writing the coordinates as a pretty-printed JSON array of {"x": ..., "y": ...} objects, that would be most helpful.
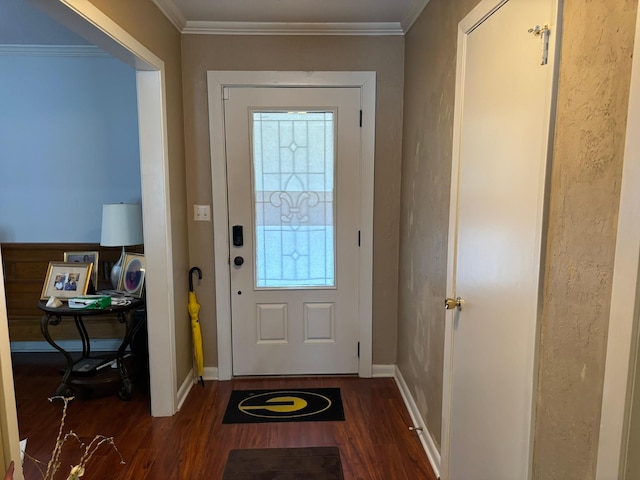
[{"x": 293, "y": 191}]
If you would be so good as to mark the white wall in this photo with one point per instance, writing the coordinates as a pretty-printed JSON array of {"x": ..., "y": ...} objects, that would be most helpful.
[{"x": 68, "y": 144}]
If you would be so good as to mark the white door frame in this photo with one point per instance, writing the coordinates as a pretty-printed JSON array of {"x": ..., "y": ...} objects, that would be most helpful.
[
  {"x": 216, "y": 81},
  {"x": 623, "y": 334},
  {"x": 82, "y": 17},
  {"x": 479, "y": 14}
]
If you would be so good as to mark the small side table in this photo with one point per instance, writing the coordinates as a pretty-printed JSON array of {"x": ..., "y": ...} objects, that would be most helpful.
[{"x": 86, "y": 371}]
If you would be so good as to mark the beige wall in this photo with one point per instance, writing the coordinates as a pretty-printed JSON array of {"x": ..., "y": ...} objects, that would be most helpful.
[
  {"x": 384, "y": 55},
  {"x": 142, "y": 20},
  {"x": 430, "y": 76},
  {"x": 584, "y": 195},
  {"x": 593, "y": 97}
]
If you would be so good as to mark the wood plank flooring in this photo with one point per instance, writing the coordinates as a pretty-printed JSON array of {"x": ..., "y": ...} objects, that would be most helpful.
[{"x": 375, "y": 442}]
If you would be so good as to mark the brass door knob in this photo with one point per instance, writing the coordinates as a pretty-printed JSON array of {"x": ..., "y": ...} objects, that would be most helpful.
[{"x": 450, "y": 303}]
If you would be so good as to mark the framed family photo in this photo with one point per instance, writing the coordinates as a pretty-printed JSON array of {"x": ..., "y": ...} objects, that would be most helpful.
[
  {"x": 66, "y": 279},
  {"x": 132, "y": 275},
  {"x": 85, "y": 257}
]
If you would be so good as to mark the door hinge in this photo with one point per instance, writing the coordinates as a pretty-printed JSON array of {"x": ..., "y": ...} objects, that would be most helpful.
[
  {"x": 542, "y": 32},
  {"x": 360, "y": 118},
  {"x": 358, "y": 349},
  {"x": 358, "y": 237}
]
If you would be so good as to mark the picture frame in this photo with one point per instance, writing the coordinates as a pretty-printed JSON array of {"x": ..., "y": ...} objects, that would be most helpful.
[
  {"x": 132, "y": 275},
  {"x": 66, "y": 279},
  {"x": 85, "y": 257}
]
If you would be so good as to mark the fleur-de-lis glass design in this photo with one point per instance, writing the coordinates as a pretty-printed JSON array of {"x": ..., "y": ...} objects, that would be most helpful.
[
  {"x": 294, "y": 207},
  {"x": 293, "y": 170}
]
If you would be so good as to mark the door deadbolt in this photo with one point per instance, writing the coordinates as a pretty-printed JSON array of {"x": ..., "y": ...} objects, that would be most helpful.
[
  {"x": 450, "y": 303},
  {"x": 238, "y": 237},
  {"x": 237, "y": 261}
]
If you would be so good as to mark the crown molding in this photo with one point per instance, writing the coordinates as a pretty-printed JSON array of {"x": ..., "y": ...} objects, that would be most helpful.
[
  {"x": 53, "y": 50},
  {"x": 416, "y": 8},
  {"x": 291, "y": 28},
  {"x": 196, "y": 27},
  {"x": 173, "y": 13}
]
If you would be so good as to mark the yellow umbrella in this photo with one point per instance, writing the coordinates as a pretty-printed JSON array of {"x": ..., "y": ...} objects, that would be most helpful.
[{"x": 194, "y": 310}]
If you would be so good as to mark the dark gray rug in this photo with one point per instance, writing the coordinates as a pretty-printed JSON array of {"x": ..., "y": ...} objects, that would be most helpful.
[{"x": 311, "y": 463}]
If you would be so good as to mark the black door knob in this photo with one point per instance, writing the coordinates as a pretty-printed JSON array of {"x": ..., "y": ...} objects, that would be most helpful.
[{"x": 238, "y": 261}]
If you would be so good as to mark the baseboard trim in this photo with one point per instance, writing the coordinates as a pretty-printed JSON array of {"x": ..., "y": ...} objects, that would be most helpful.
[
  {"x": 185, "y": 388},
  {"x": 383, "y": 371},
  {"x": 210, "y": 373},
  {"x": 97, "y": 345},
  {"x": 424, "y": 435}
]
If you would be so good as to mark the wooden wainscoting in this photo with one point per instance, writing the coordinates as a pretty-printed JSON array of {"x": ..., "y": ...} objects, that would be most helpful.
[{"x": 25, "y": 267}]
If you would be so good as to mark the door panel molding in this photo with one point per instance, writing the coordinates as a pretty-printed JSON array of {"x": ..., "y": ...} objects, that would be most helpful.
[{"x": 216, "y": 83}]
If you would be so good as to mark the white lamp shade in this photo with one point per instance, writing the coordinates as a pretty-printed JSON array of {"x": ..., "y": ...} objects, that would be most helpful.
[{"x": 121, "y": 225}]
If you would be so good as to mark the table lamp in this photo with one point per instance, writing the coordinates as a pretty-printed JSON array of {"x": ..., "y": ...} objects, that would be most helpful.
[{"x": 121, "y": 227}]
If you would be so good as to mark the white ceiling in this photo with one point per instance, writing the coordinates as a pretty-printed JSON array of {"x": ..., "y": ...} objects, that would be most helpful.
[{"x": 346, "y": 17}]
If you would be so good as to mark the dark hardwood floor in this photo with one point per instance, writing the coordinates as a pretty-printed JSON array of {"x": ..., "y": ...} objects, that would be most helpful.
[{"x": 375, "y": 442}]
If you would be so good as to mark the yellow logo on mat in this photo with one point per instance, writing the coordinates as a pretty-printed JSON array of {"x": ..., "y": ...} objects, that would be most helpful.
[{"x": 284, "y": 404}]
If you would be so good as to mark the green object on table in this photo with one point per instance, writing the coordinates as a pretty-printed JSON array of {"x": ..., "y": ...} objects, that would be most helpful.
[{"x": 90, "y": 301}]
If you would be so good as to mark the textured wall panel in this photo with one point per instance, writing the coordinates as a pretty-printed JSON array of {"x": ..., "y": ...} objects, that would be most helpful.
[{"x": 585, "y": 192}]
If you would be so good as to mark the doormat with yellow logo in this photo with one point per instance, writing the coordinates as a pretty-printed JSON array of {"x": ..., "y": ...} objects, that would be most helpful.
[{"x": 291, "y": 405}]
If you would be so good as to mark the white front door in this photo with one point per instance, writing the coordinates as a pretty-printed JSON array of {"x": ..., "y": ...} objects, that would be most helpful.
[
  {"x": 293, "y": 165},
  {"x": 500, "y": 156}
]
